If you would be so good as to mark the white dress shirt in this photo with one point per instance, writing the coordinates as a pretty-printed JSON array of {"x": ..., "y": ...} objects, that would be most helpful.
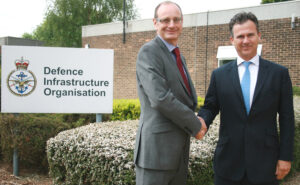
[{"x": 253, "y": 68}]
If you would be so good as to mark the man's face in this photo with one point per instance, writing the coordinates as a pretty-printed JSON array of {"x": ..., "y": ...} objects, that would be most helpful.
[
  {"x": 168, "y": 23},
  {"x": 245, "y": 39}
]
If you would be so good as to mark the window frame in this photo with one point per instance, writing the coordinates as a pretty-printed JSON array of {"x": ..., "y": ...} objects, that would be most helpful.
[{"x": 229, "y": 53}]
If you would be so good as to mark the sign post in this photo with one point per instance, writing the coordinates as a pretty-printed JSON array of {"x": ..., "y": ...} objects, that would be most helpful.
[
  {"x": 98, "y": 116},
  {"x": 15, "y": 155}
]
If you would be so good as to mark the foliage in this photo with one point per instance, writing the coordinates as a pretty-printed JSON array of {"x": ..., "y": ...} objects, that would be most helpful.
[
  {"x": 28, "y": 36},
  {"x": 123, "y": 109},
  {"x": 296, "y": 91},
  {"x": 0, "y": 79},
  {"x": 126, "y": 109},
  {"x": 272, "y": 1},
  {"x": 43, "y": 125},
  {"x": 64, "y": 18},
  {"x": 296, "y": 162},
  {"x": 77, "y": 120},
  {"x": 130, "y": 109},
  {"x": 30, "y": 138},
  {"x": 201, "y": 171},
  {"x": 200, "y": 103},
  {"x": 29, "y": 133},
  {"x": 0, "y": 103},
  {"x": 93, "y": 154}
]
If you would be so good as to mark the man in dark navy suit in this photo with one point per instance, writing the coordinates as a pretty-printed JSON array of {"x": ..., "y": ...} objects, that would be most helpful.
[{"x": 249, "y": 93}]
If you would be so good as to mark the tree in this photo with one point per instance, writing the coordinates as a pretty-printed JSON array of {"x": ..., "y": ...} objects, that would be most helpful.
[
  {"x": 27, "y": 36},
  {"x": 64, "y": 18},
  {"x": 272, "y": 1}
]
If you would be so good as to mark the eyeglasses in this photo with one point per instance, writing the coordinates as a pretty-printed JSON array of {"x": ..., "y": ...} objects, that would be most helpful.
[{"x": 166, "y": 21}]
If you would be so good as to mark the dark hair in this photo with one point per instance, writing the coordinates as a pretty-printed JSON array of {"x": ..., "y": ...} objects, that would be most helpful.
[
  {"x": 165, "y": 2},
  {"x": 241, "y": 18}
]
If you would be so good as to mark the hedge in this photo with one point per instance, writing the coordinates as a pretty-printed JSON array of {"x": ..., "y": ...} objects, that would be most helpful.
[
  {"x": 33, "y": 130},
  {"x": 129, "y": 109},
  {"x": 103, "y": 154},
  {"x": 126, "y": 109},
  {"x": 296, "y": 91},
  {"x": 28, "y": 133},
  {"x": 296, "y": 162}
]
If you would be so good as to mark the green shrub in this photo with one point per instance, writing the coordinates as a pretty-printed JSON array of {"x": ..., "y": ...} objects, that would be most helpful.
[
  {"x": 0, "y": 150},
  {"x": 296, "y": 162},
  {"x": 35, "y": 129},
  {"x": 32, "y": 132},
  {"x": 296, "y": 91},
  {"x": 201, "y": 171},
  {"x": 28, "y": 133},
  {"x": 102, "y": 153},
  {"x": 129, "y": 109},
  {"x": 76, "y": 120},
  {"x": 126, "y": 109},
  {"x": 93, "y": 154},
  {"x": 200, "y": 103}
]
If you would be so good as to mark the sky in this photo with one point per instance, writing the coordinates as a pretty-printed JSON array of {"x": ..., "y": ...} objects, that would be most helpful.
[{"x": 20, "y": 16}]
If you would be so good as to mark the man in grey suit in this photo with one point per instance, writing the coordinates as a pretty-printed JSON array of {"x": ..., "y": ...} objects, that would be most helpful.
[
  {"x": 249, "y": 93},
  {"x": 168, "y": 100}
]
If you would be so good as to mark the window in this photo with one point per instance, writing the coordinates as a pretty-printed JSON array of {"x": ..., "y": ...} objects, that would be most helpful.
[
  {"x": 224, "y": 61},
  {"x": 228, "y": 53}
]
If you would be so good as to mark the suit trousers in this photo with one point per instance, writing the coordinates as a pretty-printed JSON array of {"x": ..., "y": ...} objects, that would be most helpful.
[
  {"x": 245, "y": 181},
  {"x": 162, "y": 177}
]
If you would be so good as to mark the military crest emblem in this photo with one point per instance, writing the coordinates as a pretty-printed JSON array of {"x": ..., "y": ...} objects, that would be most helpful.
[{"x": 21, "y": 82}]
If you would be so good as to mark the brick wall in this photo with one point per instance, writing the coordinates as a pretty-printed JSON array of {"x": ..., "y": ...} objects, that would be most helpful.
[{"x": 279, "y": 42}]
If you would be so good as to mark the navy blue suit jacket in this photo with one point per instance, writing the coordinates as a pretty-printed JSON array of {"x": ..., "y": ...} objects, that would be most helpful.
[{"x": 251, "y": 143}]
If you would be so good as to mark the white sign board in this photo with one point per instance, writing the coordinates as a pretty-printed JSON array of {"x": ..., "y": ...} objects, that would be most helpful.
[{"x": 56, "y": 80}]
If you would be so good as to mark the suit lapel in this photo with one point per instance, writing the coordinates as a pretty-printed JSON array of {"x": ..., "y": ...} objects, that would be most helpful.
[
  {"x": 234, "y": 74},
  {"x": 262, "y": 73}
]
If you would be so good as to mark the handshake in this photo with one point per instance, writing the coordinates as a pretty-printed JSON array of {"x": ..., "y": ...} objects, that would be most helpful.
[{"x": 203, "y": 129}]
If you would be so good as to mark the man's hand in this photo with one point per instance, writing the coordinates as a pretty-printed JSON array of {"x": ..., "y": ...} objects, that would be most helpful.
[
  {"x": 282, "y": 169},
  {"x": 203, "y": 129}
]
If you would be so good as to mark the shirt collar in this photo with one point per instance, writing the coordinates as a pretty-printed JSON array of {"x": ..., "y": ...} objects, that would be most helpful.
[
  {"x": 168, "y": 45},
  {"x": 254, "y": 60}
]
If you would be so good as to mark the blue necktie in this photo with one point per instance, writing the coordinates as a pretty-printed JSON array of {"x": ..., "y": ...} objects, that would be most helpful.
[{"x": 245, "y": 84}]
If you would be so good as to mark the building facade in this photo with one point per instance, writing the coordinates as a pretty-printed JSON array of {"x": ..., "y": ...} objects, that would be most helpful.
[
  {"x": 15, "y": 41},
  {"x": 204, "y": 43}
]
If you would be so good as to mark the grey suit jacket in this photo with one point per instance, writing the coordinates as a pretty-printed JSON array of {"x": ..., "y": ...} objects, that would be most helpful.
[{"x": 167, "y": 110}]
